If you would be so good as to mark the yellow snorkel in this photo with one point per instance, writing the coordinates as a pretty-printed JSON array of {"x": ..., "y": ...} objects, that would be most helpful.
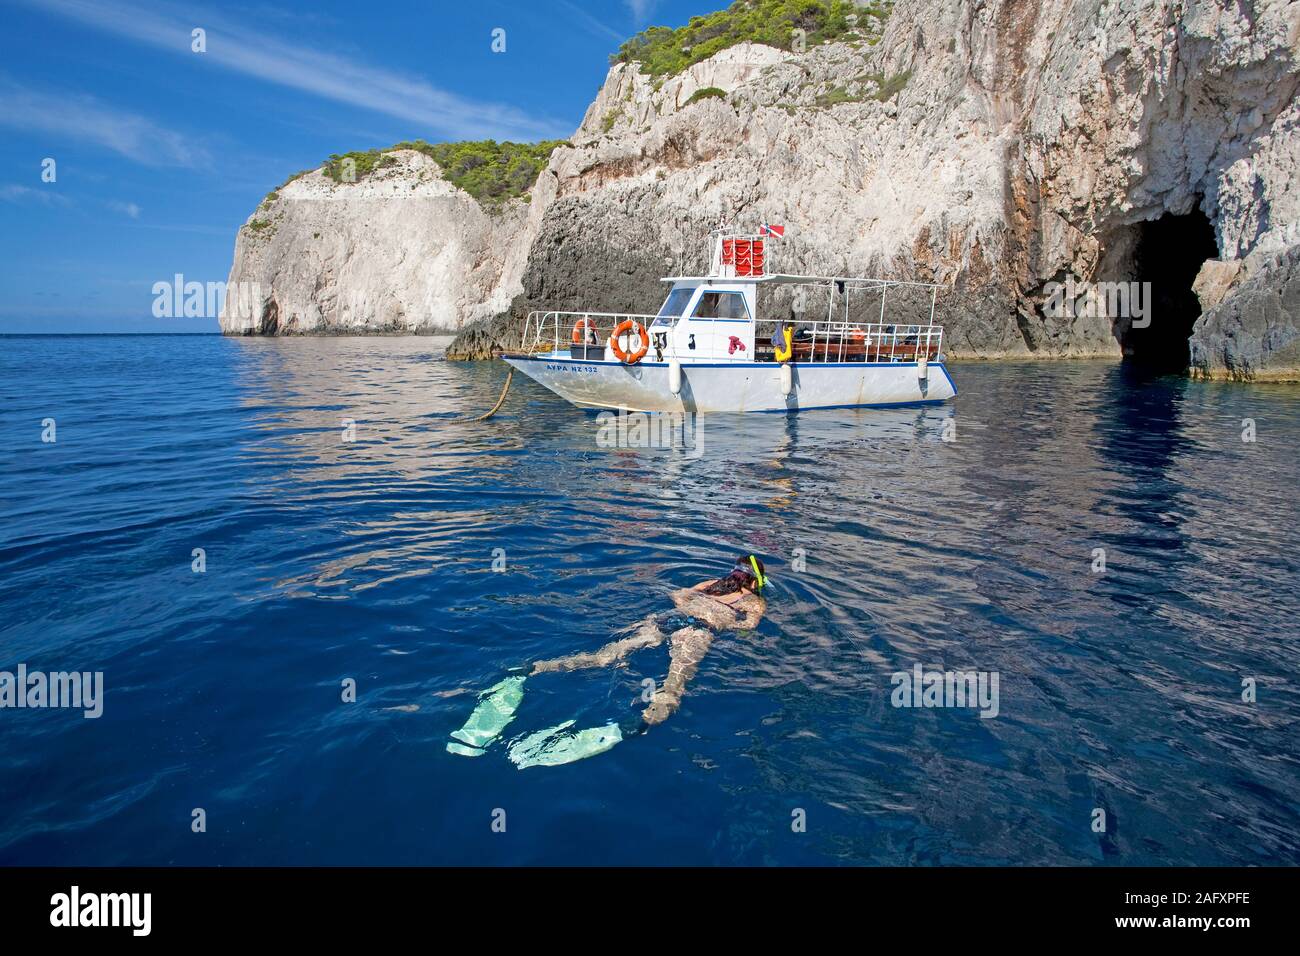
[{"x": 758, "y": 575}]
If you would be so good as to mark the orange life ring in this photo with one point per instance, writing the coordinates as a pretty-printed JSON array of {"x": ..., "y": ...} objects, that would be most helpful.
[
  {"x": 581, "y": 327},
  {"x": 628, "y": 325}
]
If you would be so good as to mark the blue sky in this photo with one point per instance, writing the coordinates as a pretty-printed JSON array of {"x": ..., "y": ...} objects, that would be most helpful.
[{"x": 160, "y": 153}]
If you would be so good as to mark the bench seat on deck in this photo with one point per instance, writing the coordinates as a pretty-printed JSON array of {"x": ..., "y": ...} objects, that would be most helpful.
[{"x": 860, "y": 352}]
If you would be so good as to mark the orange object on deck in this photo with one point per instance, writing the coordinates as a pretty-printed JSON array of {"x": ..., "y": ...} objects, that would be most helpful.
[{"x": 635, "y": 355}]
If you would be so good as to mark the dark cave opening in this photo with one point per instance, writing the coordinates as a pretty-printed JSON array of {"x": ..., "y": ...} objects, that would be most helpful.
[{"x": 1169, "y": 253}]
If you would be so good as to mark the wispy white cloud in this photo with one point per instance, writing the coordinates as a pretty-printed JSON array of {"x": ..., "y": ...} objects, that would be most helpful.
[
  {"x": 125, "y": 208},
  {"x": 591, "y": 23},
  {"x": 80, "y": 118},
  {"x": 641, "y": 9},
  {"x": 295, "y": 16},
  {"x": 12, "y": 192},
  {"x": 254, "y": 52}
]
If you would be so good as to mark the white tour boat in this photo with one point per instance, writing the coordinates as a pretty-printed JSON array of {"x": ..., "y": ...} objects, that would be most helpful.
[{"x": 707, "y": 351}]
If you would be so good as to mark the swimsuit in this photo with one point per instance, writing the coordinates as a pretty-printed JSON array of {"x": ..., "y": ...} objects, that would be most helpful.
[{"x": 675, "y": 620}]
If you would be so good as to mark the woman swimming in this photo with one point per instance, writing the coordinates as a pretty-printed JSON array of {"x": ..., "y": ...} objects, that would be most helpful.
[
  {"x": 701, "y": 612},
  {"x": 729, "y": 603}
]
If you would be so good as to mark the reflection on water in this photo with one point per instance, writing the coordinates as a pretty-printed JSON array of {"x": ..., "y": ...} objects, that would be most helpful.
[{"x": 371, "y": 558}]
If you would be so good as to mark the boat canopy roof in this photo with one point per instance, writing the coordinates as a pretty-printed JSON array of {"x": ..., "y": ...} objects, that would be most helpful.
[
  {"x": 737, "y": 258},
  {"x": 783, "y": 279}
]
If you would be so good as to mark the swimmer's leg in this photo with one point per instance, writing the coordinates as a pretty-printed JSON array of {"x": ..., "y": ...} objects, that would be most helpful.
[
  {"x": 647, "y": 634},
  {"x": 689, "y": 646}
]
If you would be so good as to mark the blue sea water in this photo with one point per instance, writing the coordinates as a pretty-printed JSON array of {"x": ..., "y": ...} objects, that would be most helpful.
[{"x": 372, "y": 560}]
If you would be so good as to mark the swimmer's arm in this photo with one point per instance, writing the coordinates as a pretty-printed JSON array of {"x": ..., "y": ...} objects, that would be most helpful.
[{"x": 751, "y": 608}]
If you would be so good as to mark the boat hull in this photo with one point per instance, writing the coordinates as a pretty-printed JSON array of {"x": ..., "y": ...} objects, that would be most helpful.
[{"x": 737, "y": 386}]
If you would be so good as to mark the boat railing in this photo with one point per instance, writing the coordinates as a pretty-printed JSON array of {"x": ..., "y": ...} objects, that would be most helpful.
[
  {"x": 553, "y": 331},
  {"x": 842, "y": 341},
  {"x": 811, "y": 341}
]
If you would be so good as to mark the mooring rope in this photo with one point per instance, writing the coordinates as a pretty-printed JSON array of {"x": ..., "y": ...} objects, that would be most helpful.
[{"x": 482, "y": 418}]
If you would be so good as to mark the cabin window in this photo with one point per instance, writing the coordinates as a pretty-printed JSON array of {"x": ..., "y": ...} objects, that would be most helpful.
[
  {"x": 721, "y": 305},
  {"x": 675, "y": 304}
]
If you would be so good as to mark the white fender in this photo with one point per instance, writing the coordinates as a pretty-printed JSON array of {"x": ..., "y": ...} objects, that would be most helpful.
[
  {"x": 922, "y": 368},
  {"x": 787, "y": 379},
  {"x": 674, "y": 376}
]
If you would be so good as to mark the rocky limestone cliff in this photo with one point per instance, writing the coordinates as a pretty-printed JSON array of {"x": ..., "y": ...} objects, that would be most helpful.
[
  {"x": 397, "y": 251},
  {"x": 1252, "y": 334},
  {"x": 994, "y": 146}
]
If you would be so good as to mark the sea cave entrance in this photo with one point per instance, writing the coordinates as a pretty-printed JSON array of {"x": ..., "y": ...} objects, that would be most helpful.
[{"x": 1168, "y": 254}]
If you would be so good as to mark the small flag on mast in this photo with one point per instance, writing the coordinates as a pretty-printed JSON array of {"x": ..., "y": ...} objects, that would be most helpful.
[{"x": 776, "y": 232}]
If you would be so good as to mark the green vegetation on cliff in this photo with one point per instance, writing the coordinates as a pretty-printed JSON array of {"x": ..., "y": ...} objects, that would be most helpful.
[
  {"x": 491, "y": 172},
  {"x": 784, "y": 24},
  {"x": 707, "y": 93},
  {"x": 357, "y": 165},
  {"x": 866, "y": 86}
]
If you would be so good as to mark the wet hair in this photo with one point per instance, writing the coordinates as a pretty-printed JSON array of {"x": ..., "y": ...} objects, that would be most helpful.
[{"x": 741, "y": 576}]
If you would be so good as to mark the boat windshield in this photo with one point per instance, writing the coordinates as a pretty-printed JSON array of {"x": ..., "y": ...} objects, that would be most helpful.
[
  {"x": 721, "y": 305},
  {"x": 674, "y": 306}
]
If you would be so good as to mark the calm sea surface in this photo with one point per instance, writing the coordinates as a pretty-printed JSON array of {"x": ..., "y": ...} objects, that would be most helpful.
[{"x": 373, "y": 560}]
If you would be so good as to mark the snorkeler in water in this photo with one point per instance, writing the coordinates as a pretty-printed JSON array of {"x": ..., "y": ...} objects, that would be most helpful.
[
  {"x": 701, "y": 613},
  {"x": 728, "y": 603}
]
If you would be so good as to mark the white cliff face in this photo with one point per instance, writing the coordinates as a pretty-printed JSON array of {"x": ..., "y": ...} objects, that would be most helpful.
[
  {"x": 401, "y": 250},
  {"x": 994, "y": 146},
  {"x": 629, "y": 101},
  {"x": 1145, "y": 108},
  {"x": 868, "y": 180}
]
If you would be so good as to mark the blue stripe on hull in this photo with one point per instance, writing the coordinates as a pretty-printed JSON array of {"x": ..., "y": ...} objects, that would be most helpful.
[
  {"x": 939, "y": 365},
  {"x": 690, "y": 365}
]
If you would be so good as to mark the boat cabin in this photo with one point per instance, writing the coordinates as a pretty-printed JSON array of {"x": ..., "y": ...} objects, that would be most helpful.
[{"x": 706, "y": 319}]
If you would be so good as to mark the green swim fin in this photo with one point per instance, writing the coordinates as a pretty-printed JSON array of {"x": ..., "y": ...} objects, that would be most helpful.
[
  {"x": 455, "y": 748},
  {"x": 554, "y": 747},
  {"x": 495, "y": 709}
]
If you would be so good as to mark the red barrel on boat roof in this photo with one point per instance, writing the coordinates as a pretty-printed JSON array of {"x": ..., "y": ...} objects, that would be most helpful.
[{"x": 743, "y": 253}]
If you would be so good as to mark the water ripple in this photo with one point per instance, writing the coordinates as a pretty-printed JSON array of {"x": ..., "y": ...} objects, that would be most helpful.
[{"x": 372, "y": 559}]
